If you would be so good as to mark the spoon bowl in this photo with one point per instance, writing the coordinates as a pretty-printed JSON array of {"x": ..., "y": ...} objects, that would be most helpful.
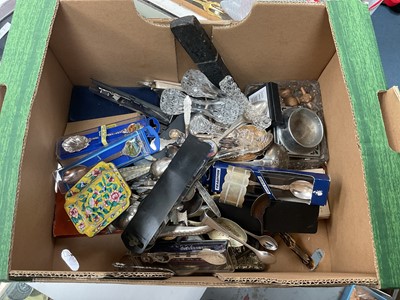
[
  {"x": 275, "y": 156},
  {"x": 301, "y": 189},
  {"x": 265, "y": 241},
  {"x": 159, "y": 166},
  {"x": 72, "y": 175}
]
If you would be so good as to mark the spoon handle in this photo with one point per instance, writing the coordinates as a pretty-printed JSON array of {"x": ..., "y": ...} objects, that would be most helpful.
[
  {"x": 283, "y": 187},
  {"x": 207, "y": 220},
  {"x": 251, "y": 234},
  {"x": 130, "y": 173},
  {"x": 269, "y": 243},
  {"x": 208, "y": 199}
]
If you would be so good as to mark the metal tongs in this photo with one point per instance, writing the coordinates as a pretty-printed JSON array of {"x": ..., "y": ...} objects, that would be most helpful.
[{"x": 129, "y": 101}]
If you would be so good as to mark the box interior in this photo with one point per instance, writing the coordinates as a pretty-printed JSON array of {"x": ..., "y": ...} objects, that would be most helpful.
[{"x": 107, "y": 40}]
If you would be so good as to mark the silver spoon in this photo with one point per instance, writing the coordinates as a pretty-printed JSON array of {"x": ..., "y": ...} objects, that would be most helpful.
[
  {"x": 71, "y": 176},
  {"x": 276, "y": 156},
  {"x": 264, "y": 256},
  {"x": 77, "y": 143},
  {"x": 266, "y": 241},
  {"x": 159, "y": 166},
  {"x": 207, "y": 198},
  {"x": 300, "y": 189}
]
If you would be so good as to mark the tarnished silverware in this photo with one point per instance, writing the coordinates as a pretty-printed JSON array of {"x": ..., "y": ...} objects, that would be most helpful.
[{"x": 264, "y": 256}]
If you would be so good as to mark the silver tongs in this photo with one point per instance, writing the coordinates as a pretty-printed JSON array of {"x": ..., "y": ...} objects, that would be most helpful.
[{"x": 129, "y": 101}]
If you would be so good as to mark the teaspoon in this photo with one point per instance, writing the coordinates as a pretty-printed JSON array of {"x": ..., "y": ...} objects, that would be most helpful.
[
  {"x": 300, "y": 188},
  {"x": 71, "y": 176},
  {"x": 266, "y": 241},
  {"x": 264, "y": 256}
]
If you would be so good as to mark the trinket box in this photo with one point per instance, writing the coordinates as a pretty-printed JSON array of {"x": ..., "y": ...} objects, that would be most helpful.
[{"x": 97, "y": 199}]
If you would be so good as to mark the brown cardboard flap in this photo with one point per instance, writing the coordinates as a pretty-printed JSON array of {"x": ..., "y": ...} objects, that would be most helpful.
[
  {"x": 35, "y": 204},
  {"x": 349, "y": 228},
  {"x": 390, "y": 107},
  {"x": 115, "y": 45},
  {"x": 255, "y": 53}
]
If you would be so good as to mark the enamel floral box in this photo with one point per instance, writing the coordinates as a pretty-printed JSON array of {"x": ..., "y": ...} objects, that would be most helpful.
[{"x": 97, "y": 199}]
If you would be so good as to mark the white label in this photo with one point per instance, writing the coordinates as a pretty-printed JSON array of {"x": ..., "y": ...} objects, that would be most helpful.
[
  {"x": 264, "y": 185},
  {"x": 4, "y": 29},
  {"x": 70, "y": 260},
  {"x": 217, "y": 179},
  {"x": 260, "y": 95}
]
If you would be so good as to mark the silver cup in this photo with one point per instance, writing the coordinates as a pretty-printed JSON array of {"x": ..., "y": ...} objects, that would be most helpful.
[{"x": 302, "y": 131}]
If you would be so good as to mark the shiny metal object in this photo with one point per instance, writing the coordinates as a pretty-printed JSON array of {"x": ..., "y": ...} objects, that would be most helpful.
[
  {"x": 130, "y": 173},
  {"x": 159, "y": 166},
  {"x": 301, "y": 189},
  {"x": 302, "y": 132},
  {"x": 161, "y": 84},
  {"x": 264, "y": 256},
  {"x": 275, "y": 156},
  {"x": 75, "y": 143},
  {"x": 175, "y": 231},
  {"x": 212, "y": 257},
  {"x": 310, "y": 262},
  {"x": 233, "y": 228},
  {"x": 123, "y": 220},
  {"x": 265, "y": 241},
  {"x": 207, "y": 198},
  {"x": 72, "y": 175}
]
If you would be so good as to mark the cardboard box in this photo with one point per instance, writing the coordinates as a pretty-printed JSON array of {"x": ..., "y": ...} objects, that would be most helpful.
[{"x": 108, "y": 41}]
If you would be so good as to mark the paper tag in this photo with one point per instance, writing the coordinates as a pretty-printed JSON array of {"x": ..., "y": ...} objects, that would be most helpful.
[
  {"x": 5, "y": 29},
  {"x": 260, "y": 95},
  {"x": 70, "y": 260}
]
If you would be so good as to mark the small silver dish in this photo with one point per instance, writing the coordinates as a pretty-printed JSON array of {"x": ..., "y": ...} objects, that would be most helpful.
[{"x": 302, "y": 131}]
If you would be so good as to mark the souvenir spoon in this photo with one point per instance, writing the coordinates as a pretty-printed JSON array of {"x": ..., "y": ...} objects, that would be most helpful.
[
  {"x": 300, "y": 188},
  {"x": 75, "y": 143},
  {"x": 266, "y": 241}
]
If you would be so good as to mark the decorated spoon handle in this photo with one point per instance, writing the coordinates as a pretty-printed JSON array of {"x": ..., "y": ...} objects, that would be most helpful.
[{"x": 280, "y": 187}]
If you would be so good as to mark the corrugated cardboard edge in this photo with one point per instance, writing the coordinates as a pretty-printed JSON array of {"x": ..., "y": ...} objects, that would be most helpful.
[
  {"x": 32, "y": 100},
  {"x": 345, "y": 79},
  {"x": 13, "y": 68},
  {"x": 313, "y": 279},
  {"x": 45, "y": 276}
]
